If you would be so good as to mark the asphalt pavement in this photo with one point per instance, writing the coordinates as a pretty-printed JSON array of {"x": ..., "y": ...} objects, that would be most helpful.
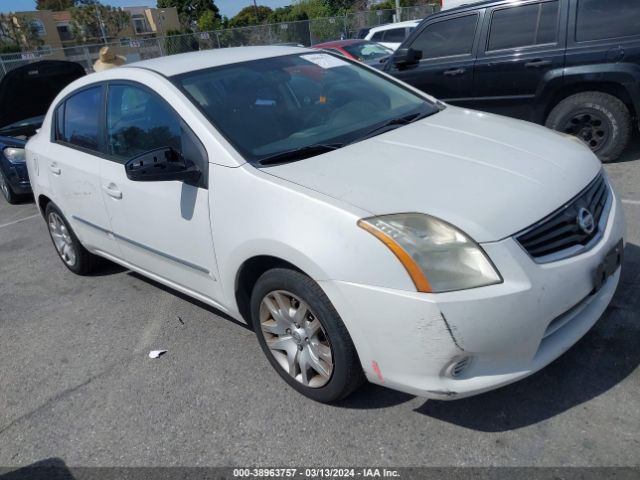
[{"x": 76, "y": 383}]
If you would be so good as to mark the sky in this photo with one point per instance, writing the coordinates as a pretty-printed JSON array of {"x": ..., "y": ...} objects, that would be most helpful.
[{"x": 227, "y": 7}]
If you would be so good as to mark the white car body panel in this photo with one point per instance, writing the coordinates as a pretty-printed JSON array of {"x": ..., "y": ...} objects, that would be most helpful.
[
  {"x": 391, "y": 26},
  {"x": 488, "y": 175}
]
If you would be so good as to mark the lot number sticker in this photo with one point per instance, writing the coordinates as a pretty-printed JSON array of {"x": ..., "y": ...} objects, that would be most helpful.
[{"x": 324, "y": 61}]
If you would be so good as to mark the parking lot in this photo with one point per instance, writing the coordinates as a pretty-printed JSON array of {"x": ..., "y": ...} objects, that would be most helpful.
[{"x": 76, "y": 382}]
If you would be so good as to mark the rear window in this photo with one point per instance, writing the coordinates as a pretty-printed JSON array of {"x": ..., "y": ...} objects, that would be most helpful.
[
  {"x": 395, "y": 35},
  {"x": 611, "y": 19},
  {"x": 524, "y": 26}
]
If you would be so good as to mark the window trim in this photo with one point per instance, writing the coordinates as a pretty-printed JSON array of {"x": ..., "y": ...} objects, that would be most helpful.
[
  {"x": 522, "y": 47},
  {"x": 479, "y": 19}
]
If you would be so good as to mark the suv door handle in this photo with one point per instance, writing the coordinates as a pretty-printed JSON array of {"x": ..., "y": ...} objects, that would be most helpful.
[
  {"x": 538, "y": 63},
  {"x": 454, "y": 72},
  {"x": 55, "y": 169},
  {"x": 112, "y": 191}
]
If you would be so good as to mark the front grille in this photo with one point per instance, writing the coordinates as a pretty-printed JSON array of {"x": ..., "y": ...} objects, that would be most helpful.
[{"x": 560, "y": 235}]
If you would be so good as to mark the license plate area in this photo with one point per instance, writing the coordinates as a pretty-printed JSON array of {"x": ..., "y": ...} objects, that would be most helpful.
[{"x": 608, "y": 266}]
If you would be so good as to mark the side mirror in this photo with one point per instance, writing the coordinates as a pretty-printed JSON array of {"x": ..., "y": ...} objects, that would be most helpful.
[
  {"x": 405, "y": 57},
  {"x": 160, "y": 165}
]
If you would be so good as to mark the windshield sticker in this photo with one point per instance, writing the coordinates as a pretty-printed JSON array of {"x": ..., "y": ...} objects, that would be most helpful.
[{"x": 324, "y": 61}]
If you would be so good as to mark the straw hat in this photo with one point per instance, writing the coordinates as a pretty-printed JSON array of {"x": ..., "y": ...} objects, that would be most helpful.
[{"x": 108, "y": 59}]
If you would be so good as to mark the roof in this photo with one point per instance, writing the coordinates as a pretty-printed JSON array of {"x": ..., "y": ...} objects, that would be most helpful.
[
  {"x": 188, "y": 62},
  {"x": 341, "y": 43},
  {"x": 473, "y": 5},
  {"x": 389, "y": 26}
]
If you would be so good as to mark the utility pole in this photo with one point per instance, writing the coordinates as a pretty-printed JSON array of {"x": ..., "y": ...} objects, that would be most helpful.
[
  {"x": 255, "y": 7},
  {"x": 398, "y": 11},
  {"x": 102, "y": 30}
]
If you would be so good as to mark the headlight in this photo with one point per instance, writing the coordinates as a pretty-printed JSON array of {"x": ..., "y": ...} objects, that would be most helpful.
[
  {"x": 437, "y": 256},
  {"x": 15, "y": 155}
]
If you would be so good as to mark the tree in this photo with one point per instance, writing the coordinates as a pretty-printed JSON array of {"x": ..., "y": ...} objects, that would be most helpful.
[
  {"x": 55, "y": 5},
  {"x": 190, "y": 11},
  {"x": 338, "y": 7},
  {"x": 18, "y": 31},
  {"x": 208, "y": 22},
  {"x": 247, "y": 16},
  {"x": 86, "y": 23}
]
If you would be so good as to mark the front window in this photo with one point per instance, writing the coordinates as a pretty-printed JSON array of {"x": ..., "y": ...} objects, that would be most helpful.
[
  {"x": 271, "y": 106},
  {"x": 368, "y": 51},
  {"x": 447, "y": 38}
]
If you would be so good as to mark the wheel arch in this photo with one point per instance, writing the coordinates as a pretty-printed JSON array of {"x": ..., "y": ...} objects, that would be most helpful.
[
  {"x": 42, "y": 202},
  {"x": 248, "y": 274}
]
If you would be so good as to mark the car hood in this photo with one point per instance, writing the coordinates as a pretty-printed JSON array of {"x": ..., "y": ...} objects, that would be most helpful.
[
  {"x": 489, "y": 175},
  {"x": 28, "y": 91}
]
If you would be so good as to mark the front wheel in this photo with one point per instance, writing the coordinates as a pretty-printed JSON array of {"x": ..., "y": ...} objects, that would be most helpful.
[
  {"x": 7, "y": 193},
  {"x": 303, "y": 336},
  {"x": 601, "y": 120}
]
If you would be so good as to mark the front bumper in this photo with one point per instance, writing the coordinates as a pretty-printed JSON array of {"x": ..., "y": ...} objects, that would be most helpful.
[{"x": 412, "y": 341}]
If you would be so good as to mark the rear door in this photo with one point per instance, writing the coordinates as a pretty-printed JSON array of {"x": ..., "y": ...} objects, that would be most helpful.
[
  {"x": 163, "y": 228},
  {"x": 73, "y": 162},
  {"x": 446, "y": 68},
  {"x": 520, "y": 44}
]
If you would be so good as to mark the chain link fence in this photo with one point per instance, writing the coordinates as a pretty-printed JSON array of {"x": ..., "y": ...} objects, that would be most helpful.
[{"x": 306, "y": 33}]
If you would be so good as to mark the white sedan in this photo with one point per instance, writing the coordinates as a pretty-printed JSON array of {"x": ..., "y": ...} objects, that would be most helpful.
[{"x": 364, "y": 229}]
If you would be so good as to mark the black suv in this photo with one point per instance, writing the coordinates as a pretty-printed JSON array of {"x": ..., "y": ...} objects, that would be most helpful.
[{"x": 572, "y": 65}]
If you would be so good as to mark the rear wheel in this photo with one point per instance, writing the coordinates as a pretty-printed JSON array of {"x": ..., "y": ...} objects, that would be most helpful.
[
  {"x": 7, "y": 193},
  {"x": 303, "y": 336},
  {"x": 74, "y": 256},
  {"x": 601, "y": 120}
]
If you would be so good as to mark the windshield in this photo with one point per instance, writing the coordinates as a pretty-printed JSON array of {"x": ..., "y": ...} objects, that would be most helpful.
[
  {"x": 368, "y": 51},
  {"x": 271, "y": 106}
]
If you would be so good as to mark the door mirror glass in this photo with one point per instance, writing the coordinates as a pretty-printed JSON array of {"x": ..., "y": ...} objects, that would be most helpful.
[
  {"x": 406, "y": 56},
  {"x": 162, "y": 164}
]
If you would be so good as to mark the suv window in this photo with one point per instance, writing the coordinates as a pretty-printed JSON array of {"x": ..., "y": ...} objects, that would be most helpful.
[
  {"x": 448, "y": 37},
  {"x": 524, "y": 26},
  {"x": 139, "y": 121},
  {"x": 377, "y": 36},
  {"x": 395, "y": 35},
  {"x": 79, "y": 123},
  {"x": 611, "y": 19}
]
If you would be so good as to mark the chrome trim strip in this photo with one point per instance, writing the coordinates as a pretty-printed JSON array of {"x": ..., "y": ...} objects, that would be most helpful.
[{"x": 145, "y": 247}]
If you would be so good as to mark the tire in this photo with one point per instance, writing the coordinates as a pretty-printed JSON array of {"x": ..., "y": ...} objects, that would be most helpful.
[
  {"x": 327, "y": 343},
  {"x": 73, "y": 255},
  {"x": 7, "y": 193},
  {"x": 600, "y": 119}
]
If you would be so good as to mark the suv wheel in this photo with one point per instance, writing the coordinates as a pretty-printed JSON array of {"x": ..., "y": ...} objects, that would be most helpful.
[
  {"x": 7, "y": 193},
  {"x": 74, "y": 256},
  {"x": 601, "y": 120},
  {"x": 303, "y": 336}
]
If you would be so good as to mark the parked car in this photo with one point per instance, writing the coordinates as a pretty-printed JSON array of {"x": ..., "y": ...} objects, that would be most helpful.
[
  {"x": 447, "y": 4},
  {"x": 25, "y": 96},
  {"x": 362, "y": 33},
  {"x": 392, "y": 35},
  {"x": 572, "y": 66},
  {"x": 364, "y": 51},
  {"x": 363, "y": 228}
]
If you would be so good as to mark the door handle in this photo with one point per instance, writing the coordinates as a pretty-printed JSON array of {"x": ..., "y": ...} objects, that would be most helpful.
[
  {"x": 454, "y": 72},
  {"x": 55, "y": 169},
  {"x": 537, "y": 63},
  {"x": 112, "y": 191}
]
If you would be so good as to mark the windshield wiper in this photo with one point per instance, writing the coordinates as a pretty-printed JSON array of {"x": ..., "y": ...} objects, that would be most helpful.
[
  {"x": 394, "y": 122},
  {"x": 299, "y": 153}
]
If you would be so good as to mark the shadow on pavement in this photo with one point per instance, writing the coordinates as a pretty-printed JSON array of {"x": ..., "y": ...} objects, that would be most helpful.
[
  {"x": 632, "y": 152},
  {"x": 372, "y": 397},
  {"x": 47, "y": 469},
  {"x": 607, "y": 355}
]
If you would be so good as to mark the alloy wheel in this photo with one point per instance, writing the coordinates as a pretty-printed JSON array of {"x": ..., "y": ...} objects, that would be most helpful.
[
  {"x": 296, "y": 338},
  {"x": 62, "y": 239}
]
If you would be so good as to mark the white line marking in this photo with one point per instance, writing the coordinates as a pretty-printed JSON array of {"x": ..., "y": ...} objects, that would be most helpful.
[
  {"x": 19, "y": 221},
  {"x": 631, "y": 202}
]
